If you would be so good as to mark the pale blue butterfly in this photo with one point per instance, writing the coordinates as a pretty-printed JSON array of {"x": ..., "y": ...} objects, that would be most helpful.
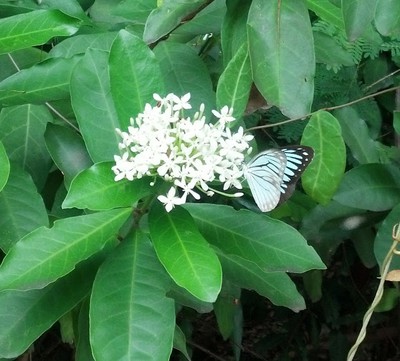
[{"x": 272, "y": 174}]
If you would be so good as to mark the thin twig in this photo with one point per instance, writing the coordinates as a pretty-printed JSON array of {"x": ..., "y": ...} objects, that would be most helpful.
[{"x": 326, "y": 109}]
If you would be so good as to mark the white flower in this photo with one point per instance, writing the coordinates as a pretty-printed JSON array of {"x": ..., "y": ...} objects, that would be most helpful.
[
  {"x": 225, "y": 116},
  {"x": 181, "y": 103},
  {"x": 190, "y": 153},
  {"x": 170, "y": 201},
  {"x": 187, "y": 189}
]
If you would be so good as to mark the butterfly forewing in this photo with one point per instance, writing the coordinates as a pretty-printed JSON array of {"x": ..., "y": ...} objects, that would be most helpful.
[
  {"x": 297, "y": 160},
  {"x": 264, "y": 175}
]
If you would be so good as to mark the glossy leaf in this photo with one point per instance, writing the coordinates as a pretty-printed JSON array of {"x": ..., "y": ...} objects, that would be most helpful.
[
  {"x": 141, "y": 316},
  {"x": 21, "y": 208},
  {"x": 374, "y": 187},
  {"x": 207, "y": 21},
  {"x": 72, "y": 8},
  {"x": 329, "y": 52},
  {"x": 184, "y": 298},
  {"x": 8, "y": 8},
  {"x": 83, "y": 351},
  {"x": 355, "y": 134},
  {"x": 322, "y": 177},
  {"x": 227, "y": 308},
  {"x": 34, "y": 28},
  {"x": 22, "y": 133},
  {"x": 234, "y": 32},
  {"x": 25, "y": 315},
  {"x": 282, "y": 58},
  {"x": 383, "y": 239},
  {"x": 43, "y": 82},
  {"x": 5, "y": 167},
  {"x": 134, "y": 76},
  {"x": 396, "y": 121},
  {"x": 94, "y": 107},
  {"x": 96, "y": 189},
  {"x": 45, "y": 255},
  {"x": 276, "y": 286},
  {"x": 24, "y": 58},
  {"x": 114, "y": 12},
  {"x": 167, "y": 17},
  {"x": 357, "y": 16},
  {"x": 67, "y": 150},
  {"x": 180, "y": 342},
  {"x": 234, "y": 83},
  {"x": 387, "y": 20},
  {"x": 80, "y": 43},
  {"x": 184, "y": 72},
  {"x": 184, "y": 253},
  {"x": 269, "y": 243},
  {"x": 327, "y": 11}
]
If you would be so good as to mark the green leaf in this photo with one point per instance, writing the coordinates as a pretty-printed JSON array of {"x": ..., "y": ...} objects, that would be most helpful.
[
  {"x": 128, "y": 297},
  {"x": 5, "y": 166},
  {"x": 207, "y": 21},
  {"x": 227, "y": 308},
  {"x": 184, "y": 253},
  {"x": 43, "y": 82},
  {"x": 313, "y": 285},
  {"x": 34, "y": 28},
  {"x": 21, "y": 208},
  {"x": 269, "y": 243},
  {"x": 94, "y": 107},
  {"x": 387, "y": 20},
  {"x": 233, "y": 32},
  {"x": 373, "y": 187},
  {"x": 83, "y": 351},
  {"x": 25, "y": 315},
  {"x": 96, "y": 189},
  {"x": 132, "y": 88},
  {"x": 22, "y": 58},
  {"x": 10, "y": 8},
  {"x": 22, "y": 133},
  {"x": 357, "y": 16},
  {"x": 327, "y": 11},
  {"x": 180, "y": 342},
  {"x": 45, "y": 255},
  {"x": 322, "y": 177},
  {"x": 234, "y": 84},
  {"x": 184, "y": 298},
  {"x": 167, "y": 17},
  {"x": 78, "y": 44},
  {"x": 72, "y": 8},
  {"x": 282, "y": 57},
  {"x": 184, "y": 72},
  {"x": 328, "y": 51},
  {"x": 389, "y": 300},
  {"x": 67, "y": 150},
  {"x": 114, "y": 12},
  {"x": 396, "y": 121},
  {"x": 383, "y": 239},
  {"x": 356, "y": 135},
  {"x": 276, "y": 286}
]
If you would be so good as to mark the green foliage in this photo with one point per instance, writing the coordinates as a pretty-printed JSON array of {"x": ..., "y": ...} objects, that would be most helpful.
[{"x": 132, "y": 280}]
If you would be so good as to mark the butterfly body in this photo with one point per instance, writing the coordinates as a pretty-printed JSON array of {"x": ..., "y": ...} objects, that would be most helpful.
[{"x": 272, "y": 174}]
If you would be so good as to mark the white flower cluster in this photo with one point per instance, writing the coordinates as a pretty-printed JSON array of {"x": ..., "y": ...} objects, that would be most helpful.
[{"x": 189, "y": 153}]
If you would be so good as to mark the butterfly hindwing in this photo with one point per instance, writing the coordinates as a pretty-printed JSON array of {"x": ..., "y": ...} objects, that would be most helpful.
[
  {"x": 272, "y": 174},
  {"x": 264, "y": 175}
]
